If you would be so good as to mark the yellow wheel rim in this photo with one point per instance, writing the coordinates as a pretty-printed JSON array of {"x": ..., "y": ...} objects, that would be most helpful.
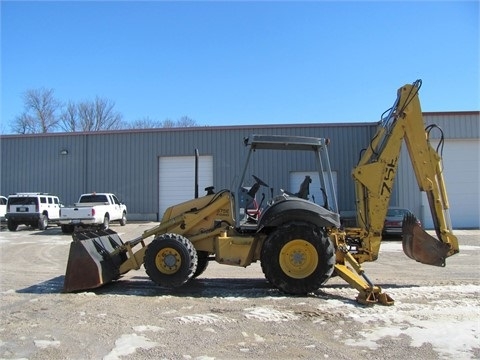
[
  {"x": 298, "y": 259},
  {"x": 168, "y": 261}
]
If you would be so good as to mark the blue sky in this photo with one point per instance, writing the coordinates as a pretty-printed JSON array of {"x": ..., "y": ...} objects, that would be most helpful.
[{"x": 232, "y": 63}]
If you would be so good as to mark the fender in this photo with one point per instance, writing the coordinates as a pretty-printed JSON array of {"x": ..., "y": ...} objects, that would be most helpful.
[{"x": 285, "y": 209}]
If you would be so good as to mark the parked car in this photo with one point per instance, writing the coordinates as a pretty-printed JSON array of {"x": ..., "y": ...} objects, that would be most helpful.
[
  {"x": 394, "y": 221},
  {"x": 32, "y": 209},
  {"x": 93, "y": 210},
  {"x": 3, "y": 208}
]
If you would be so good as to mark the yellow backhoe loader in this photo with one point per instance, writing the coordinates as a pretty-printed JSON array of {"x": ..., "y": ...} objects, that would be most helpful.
[{"x": 299, "y": 243}]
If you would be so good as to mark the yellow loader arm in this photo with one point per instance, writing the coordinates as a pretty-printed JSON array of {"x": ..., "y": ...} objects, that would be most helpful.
[{"x": 375, "y": 174}]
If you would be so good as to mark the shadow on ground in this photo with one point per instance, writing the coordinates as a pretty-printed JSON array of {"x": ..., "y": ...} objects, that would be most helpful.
[{"x": 199, "y": 288}]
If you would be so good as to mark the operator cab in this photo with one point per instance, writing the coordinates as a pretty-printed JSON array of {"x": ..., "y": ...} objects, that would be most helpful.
[{"x": 249, "y": 208}]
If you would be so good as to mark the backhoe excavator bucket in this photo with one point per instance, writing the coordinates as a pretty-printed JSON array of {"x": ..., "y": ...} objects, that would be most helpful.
[
  {"x": 420, "y": 246},
  {"x": 92, "y": 260}
]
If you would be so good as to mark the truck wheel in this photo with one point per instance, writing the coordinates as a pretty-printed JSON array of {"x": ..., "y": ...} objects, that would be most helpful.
[
  {"x": 12, "y": 225},
  {"x": 297, "y": 258},
  {"x": 43, "y": 222},
  {"x": 67, "y": 229},
  {"x": 106, "y": 222},
  {"x": 170, "y": 260},
  {"x": 123, "y": 220},
  {"x": 202, "y": 263}
]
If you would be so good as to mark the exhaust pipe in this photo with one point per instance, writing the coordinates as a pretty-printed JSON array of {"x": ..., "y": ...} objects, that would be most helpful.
[
  {"x": 196, "y": 173},
  {"x": 420, "y": 246},
  {"x": 93, "y": 261}
]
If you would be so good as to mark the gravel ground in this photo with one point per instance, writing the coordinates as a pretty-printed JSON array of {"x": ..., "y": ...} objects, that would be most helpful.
[{"x": 232, "y": 313}]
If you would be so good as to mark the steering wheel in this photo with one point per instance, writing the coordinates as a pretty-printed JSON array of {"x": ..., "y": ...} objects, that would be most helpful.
[{"x": 260, "y": 181}]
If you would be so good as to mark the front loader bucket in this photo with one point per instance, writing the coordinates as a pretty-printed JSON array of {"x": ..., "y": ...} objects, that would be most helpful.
[
  {"x": 91, "y": 262},
  {"x": 420, "y": 246}
]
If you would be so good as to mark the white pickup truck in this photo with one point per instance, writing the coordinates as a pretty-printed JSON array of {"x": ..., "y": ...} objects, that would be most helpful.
[{"x": 93, "y": 210}]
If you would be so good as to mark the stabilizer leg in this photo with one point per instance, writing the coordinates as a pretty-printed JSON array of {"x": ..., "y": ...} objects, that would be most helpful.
[{"x": 368, "y": 293}]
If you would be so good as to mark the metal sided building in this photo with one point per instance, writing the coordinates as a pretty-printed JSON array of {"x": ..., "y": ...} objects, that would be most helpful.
[
  {"x": 152, "y": 169},
  {"x": 461, "y": 160}
]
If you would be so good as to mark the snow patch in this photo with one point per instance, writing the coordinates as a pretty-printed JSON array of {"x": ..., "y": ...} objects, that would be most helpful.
[
  {"x": 266, "y": 315},
  {"x": 258, "y": 338},
  {"x": 450, "y": 325},
  {"x": 43, "y": 344},
  {"x": 233, "y": 298},
  {"x": 204, "y": 319},
  {"x": 143, "y": 328},
  {"x": 9, "y": 291},
  {"x": 128, "y": 344}
]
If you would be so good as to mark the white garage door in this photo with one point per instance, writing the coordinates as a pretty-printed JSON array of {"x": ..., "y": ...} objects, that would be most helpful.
[
  {"x": 461, "y": 160},
  {"x": 177, "y": 179},
  {"x": 297, "y": 177}
]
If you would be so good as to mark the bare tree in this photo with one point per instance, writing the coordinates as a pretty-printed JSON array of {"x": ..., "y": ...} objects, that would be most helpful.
[
  {"x": 106, "y": 118},
  {"x": 185, "y": 121},
  {"x": 39, "y": 116},
  {"x": 86, "y": 114},
  {"x": 146, "y": 123},
  {"x": 69, "y": 118},
  {"x": 99, "y": 115},
  {"x": 23, "y": 124},
  {"x": 95, "y": 115},
  {"x": 168, "y": 123},
  {"x": 3, "y": 128}
]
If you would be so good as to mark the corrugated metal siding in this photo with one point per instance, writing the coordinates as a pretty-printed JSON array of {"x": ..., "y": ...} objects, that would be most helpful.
[
  {"x": 126, "y": 162},
  {"x": 405, "y": 189},
  {"x": 35, "y": 164},
  {"x": 455, "y": 125}
]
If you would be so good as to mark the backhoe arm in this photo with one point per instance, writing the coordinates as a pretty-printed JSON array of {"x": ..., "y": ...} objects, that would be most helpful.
[
  {"x": 428, "y": 168},
  {"x": 375, "y": 174}
]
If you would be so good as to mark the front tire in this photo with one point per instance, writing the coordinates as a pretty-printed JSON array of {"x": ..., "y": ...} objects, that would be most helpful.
[
  {"x": 170, "y": 260},
  {"x": 67, "y": 229},
  {"x": 297, "y": 258}
]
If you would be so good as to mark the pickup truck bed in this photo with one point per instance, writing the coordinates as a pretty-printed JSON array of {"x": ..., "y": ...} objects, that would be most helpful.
[{"x": 93, "y": 210}]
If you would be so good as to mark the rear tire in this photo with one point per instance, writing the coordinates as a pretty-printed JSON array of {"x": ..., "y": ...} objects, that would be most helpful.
[
  {"x": 202, "y": 263},
  {"x": 123, "y": 220},
  {"x": 12, "y": 225},
  {"x": 106, "y": 222},
  {"x": 43, "y": 222},
  {"x": 297, "y": 258},
  {"x": 170, "y": 260}
]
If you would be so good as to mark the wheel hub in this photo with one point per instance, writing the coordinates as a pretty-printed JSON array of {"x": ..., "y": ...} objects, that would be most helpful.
[
  {"x": 298, "y": 259},
  {"x": 168, "y": 261}
]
